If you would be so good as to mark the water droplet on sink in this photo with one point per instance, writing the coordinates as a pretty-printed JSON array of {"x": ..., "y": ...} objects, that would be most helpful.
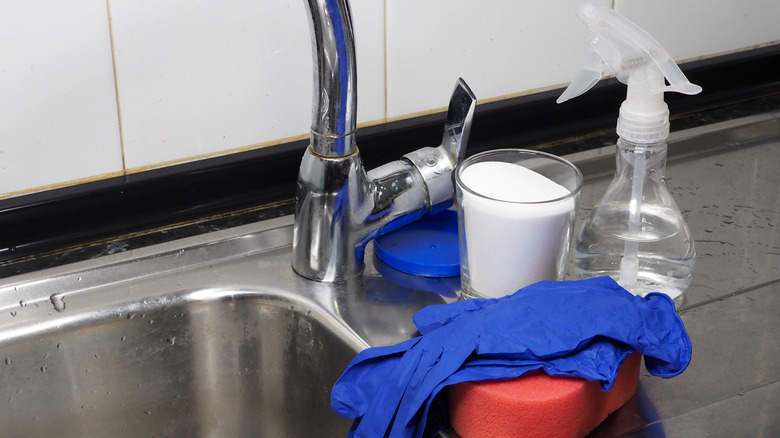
[
  {"x": 8, "y": 361},
  {"x": 22, "y": 303},
  {"x": 171, "y": 340},
  {"x": 43, "y": 368},
  {"x": 124, "y": 338},
  {"x": 58, "y": 301},
  {"x": 148, "y": 412},
  {"x": 130, "y": 315},
  {"x": 13, "y": 313}
]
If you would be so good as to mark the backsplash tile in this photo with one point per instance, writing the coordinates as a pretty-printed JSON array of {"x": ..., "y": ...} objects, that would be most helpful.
[
  {"x": 692, "y": 29},
  {"x": 58, "y": 112},
  {"x": 199, "y": 77},
  {"x": 500, "y": 48}
]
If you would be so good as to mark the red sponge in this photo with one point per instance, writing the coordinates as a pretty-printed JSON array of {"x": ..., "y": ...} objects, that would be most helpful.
[{"x": 538, "y": 405}]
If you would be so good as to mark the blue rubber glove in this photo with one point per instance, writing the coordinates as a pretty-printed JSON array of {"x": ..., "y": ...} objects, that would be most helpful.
[{"x": 577, "y": 328}]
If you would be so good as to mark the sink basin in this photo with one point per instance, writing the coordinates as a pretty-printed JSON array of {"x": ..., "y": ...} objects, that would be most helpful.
[
  {"x": 206, "y": 363},
  {"x": 213, "y": 336}
]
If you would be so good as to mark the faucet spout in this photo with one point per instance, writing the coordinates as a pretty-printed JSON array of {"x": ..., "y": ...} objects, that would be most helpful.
[
  {"x": 334, "y": 102},
  {"x": 339, "y": 207}
]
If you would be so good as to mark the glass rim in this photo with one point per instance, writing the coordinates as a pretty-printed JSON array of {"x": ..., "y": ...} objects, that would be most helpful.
[{"x": 573, "y": 193}]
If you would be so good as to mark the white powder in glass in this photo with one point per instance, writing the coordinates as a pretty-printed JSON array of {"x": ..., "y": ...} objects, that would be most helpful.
[
  {"x": 510, "y": 182},
  {"x": 513, "y": 237}
]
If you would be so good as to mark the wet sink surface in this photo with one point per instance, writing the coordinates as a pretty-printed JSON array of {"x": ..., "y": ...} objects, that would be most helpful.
[
  {"x": 209, "y": 363},
  {"x": 215, "y": 336},
  {"x": 212, "y": 336}
]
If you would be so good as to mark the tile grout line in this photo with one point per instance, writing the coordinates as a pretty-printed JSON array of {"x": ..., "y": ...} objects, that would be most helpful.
[
  {"x": 384, "y": 33},
  {"x": 116, "y": 85}
]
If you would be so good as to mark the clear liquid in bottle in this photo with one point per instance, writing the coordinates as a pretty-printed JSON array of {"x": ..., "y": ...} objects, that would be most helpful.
[{"x": 636, "y": 233}]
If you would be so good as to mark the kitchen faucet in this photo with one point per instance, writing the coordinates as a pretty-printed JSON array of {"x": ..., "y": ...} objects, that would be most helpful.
[{"x": 339, "y": 207}]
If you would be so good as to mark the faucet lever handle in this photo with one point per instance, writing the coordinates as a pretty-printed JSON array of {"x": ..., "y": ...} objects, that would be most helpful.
[
  {"x": 436, "y": 165},
  {"x": 460, "y": 114}
]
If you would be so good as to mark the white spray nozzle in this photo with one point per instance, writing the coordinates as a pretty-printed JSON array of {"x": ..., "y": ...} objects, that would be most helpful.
[{"x": 619, "y": 47}]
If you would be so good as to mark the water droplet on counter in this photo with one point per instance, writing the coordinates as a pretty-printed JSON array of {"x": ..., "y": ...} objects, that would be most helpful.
[
  {"x": 43, "y": 368},
  {"x": 171, "y": 340},
  {"x": 148, "y": 412},
  {"x": 8, "y": 361},
  {"x": 124, "y": 338},
  {"x": 58, "y": 301}
]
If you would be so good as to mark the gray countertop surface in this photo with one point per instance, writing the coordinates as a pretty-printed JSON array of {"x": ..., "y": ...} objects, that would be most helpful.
[{"x": 730, "y": 196}]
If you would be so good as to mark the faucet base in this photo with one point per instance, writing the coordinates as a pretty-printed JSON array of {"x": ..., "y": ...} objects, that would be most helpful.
[{"x": 330, "y": 192}]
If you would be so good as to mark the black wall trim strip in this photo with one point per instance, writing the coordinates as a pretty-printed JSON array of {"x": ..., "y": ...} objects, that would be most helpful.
[{"x": 43, "y": 223}]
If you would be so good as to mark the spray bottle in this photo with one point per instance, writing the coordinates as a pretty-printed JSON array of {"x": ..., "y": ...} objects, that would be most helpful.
[{"x": 636, "y": 233}]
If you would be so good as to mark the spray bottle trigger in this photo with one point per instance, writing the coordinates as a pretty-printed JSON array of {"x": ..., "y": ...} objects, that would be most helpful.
[
  {"x": 676, "y": 78},
  {"x": 591, "y": 72}
]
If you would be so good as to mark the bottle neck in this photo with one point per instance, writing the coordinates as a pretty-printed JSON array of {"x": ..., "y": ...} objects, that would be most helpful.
[{"x": 649, "y": 157}]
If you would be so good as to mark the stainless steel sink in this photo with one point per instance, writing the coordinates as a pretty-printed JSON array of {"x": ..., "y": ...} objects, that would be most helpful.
[
  {"x": 206, "y": 337},
  {"x": 215, "y": 336}
]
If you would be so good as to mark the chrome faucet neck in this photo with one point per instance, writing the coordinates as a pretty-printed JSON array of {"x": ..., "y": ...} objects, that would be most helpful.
[{"x": 334, "y": 103}]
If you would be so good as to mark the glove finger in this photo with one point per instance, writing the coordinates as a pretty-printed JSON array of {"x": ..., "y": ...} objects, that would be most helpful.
[{"x": 359, "y": 383}]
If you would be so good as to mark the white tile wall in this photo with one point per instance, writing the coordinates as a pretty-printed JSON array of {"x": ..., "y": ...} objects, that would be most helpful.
[
  {"x": 196, "y": 78},
  {"x": 691, "y": 29},
  {"x": 58, "y": 117},
  {"x": 500, "y": 48}
]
